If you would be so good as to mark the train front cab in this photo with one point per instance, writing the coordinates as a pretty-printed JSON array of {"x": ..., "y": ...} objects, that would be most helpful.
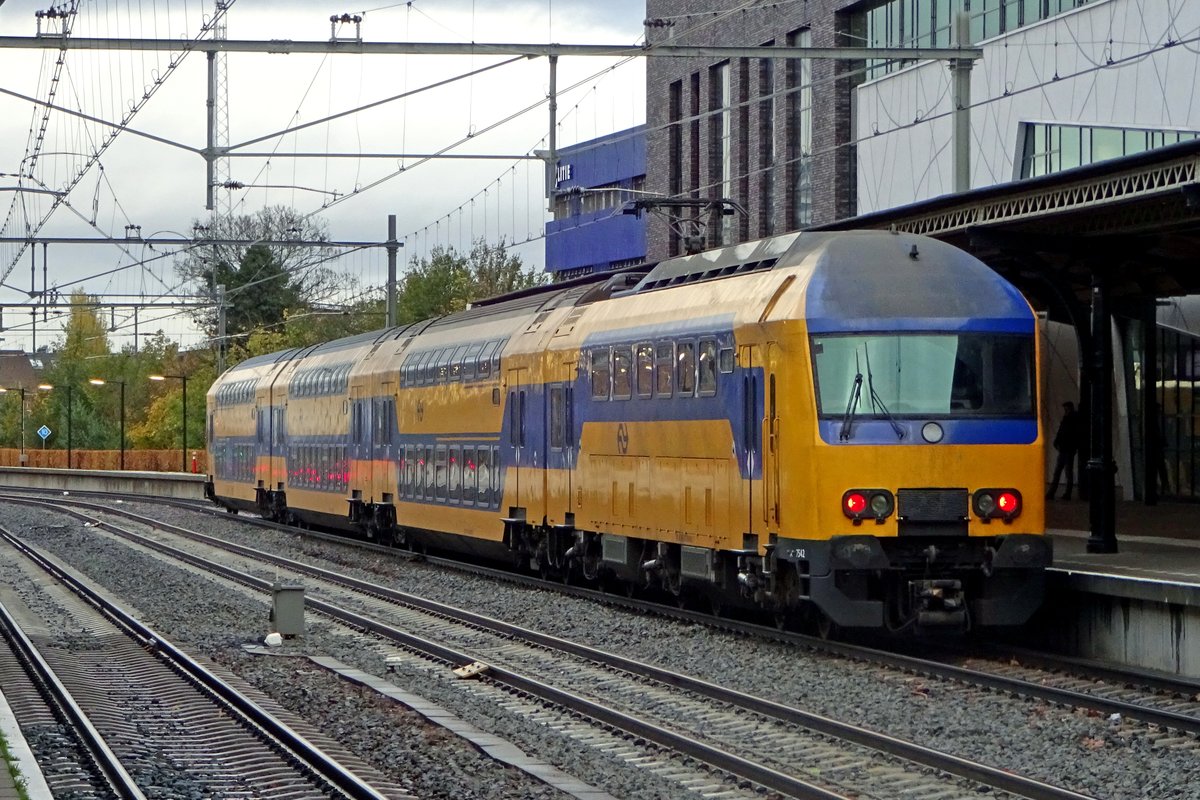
[{"x": 920, "y": 480}]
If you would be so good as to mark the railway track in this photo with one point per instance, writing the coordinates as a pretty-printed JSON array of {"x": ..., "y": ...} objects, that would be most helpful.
[
  {"x": 147, "y": 716},
  {"x": 1132, "y": 692},
  {"x": 1164, "y": 701},
  {"x": 755, "y": 739}
]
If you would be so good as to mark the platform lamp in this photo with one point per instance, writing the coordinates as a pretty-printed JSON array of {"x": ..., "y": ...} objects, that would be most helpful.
[
  {"x": 182, "y": 378},
  {"x": 101, "y": 382}
]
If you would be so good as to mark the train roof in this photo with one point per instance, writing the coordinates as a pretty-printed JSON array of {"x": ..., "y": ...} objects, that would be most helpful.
[
  {"x": 864, "y": 280},
  {"x": 267, "y": 359}
]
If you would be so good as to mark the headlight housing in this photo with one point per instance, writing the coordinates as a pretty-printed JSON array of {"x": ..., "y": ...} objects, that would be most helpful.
[
  {"x": 860, "y": 504},
  {"x": 990, "y": 504}
]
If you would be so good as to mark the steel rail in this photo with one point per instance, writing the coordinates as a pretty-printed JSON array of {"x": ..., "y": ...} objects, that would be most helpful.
[
  {"x": 106, "y": 761},
  {"x": 728, "y": 762},
  {"x": 929, "y": 757},
  {"x": 897, "y": 660},
  {"x": 306, "y": 753}
]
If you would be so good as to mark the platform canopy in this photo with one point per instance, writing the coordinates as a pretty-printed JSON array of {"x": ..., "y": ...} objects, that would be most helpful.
[{"x": 1135, "y": 220}]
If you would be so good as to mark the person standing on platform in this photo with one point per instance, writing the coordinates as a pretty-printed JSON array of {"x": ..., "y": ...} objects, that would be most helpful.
[{"x": 1066, "y": 442}]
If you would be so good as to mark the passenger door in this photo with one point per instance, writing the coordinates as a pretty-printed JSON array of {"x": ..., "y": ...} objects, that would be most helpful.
[
  {"x": 517, "y": 472},
  {"x": 561, "y": 456},
  {"x": 751, "y": 451},
  {"x": 771, "y": 449}
]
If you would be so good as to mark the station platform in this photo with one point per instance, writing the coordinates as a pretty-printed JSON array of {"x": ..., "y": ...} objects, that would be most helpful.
[
  {"x": 1138, "y": 607},
  {"x": 1155, "y": 543},
  {"x": 21, "y": 757}
]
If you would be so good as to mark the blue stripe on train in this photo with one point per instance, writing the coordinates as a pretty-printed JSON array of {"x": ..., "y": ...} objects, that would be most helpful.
[{"x": 874, "y": 431}]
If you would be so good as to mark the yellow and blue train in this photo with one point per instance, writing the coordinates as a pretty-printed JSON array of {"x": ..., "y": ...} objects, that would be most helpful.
[{"x": 835, "y": 426}]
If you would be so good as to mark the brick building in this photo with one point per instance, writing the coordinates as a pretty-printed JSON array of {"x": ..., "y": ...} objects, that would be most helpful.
[
  {"x": 800, "y": 142},
  {"x": 771, "y": 134}
]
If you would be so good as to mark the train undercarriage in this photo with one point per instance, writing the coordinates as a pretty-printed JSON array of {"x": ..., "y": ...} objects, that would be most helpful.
[{"x": 933, "y": 583}]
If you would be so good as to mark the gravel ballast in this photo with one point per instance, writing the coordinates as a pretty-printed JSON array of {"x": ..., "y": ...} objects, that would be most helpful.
[{"x": 1091, "y": 754}]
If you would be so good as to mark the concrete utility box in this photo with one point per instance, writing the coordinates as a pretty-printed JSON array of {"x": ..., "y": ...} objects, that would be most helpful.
[{"x": 287, "y": 609}]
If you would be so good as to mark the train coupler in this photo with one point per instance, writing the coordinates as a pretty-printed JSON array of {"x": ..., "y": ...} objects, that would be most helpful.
[{"x": 938, "y": 603}]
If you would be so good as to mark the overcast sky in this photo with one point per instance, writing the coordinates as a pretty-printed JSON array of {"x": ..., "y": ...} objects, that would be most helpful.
[{"x": 162, "y": 188}]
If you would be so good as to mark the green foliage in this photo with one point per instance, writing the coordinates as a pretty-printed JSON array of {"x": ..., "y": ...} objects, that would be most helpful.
[
  {"x": 89, "y": 416},
  {"x": 263, "y": 282},
  {"x": 447, "y": 281}
]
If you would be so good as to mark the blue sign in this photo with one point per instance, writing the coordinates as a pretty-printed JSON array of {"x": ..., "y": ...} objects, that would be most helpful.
[{"x": 44, "y": 432}]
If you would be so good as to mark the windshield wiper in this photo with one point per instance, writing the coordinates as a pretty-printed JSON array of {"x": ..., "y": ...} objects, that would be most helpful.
[
  {"x": 852, "y": 403},
  {"x": 877, "y": 401}
]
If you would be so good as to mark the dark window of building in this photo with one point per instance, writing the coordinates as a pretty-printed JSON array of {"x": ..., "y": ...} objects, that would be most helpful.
[
  {"x": 766, "y": 145},
  {"x": 720, "y": 145},
  {"x": 800, "y": 132},
  {"x": 742, "y": 221},
  {"x": 675, "y": 152}
]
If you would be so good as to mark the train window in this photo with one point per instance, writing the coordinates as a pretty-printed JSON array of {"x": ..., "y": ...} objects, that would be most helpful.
[
  {"x": 389, "y": 415},
  {"x": 558, "y": 418},
  {"x": 483, "y": 367},
  {"x": 470, "y": 476},
  {"x": 521, "y": 419},
  {"x": 707, "y": 368},
  {"x": 429, "y": 473},
  {"x": 425, "y": 368},
  {"x": 622, "y": 373},
  {"x": 601, "y": 373},
  {"x": 495, "y": 477},
  {"x": 455, "y": 475},
  {"x": 664, "y": 361},
  {"x": 484, "y": 469},
  {"x": 685, "y": 374},
  {"x": 456, "y": 363},
  {"x": 443, "y": 364},
  {"x": 429, "y": 368},
  {"x": 440, "y": 473},
  {"x": 645, "y": 370},
  {"x": 726, "y": 359},
  {"x": 469, "y": 361},
  {"x": 496, "y": 356}
]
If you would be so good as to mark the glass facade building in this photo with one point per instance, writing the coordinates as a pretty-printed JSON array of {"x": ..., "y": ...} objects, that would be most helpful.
[
  {"x": 930, "y": 23},
  {"x": 1052, "y": 147}
]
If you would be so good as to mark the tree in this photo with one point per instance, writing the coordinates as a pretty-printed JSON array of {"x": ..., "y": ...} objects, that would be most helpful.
[
  {"x": 447, "y": 281},
  {"x": 262, "y": 281}
]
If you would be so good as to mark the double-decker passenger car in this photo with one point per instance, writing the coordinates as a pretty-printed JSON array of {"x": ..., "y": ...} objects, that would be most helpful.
[{"x": 841, "y": 425}]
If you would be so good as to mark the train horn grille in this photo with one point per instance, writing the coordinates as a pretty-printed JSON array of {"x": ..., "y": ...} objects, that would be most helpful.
[{"x": 932, "y": 505}]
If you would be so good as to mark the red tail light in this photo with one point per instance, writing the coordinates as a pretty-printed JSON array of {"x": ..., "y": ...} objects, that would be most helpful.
[
  {"x": 990, "y": 504},
  {"x": 860, "y": 504}
]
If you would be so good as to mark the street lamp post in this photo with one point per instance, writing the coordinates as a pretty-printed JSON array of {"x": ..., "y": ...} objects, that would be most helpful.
[
  {"x": 182, "y": 378},
  {"x": 23, "y": 458},
  {"x": 101, "y": 382}
]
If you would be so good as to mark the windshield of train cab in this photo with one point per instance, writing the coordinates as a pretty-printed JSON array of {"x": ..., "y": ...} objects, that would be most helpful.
[{"x": 925, "y": 374}]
